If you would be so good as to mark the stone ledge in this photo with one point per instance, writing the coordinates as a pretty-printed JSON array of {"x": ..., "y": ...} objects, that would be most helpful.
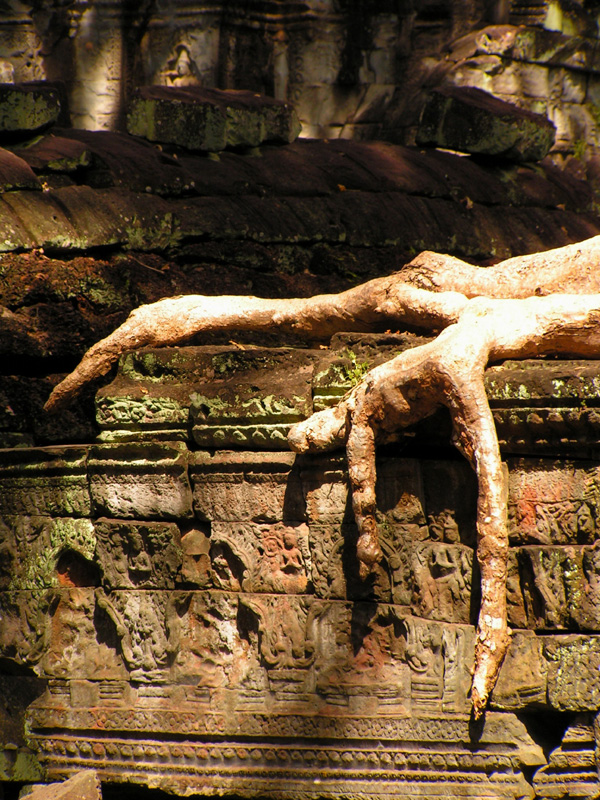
[{"x": 210, "y": 119}]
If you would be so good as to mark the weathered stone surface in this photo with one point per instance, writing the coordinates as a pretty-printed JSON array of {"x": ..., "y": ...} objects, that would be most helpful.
[
  {"x": 246, "y": 486},
  {"x": 391, "y": 198},
  {"x": 54, "y": 153},
  {"x": 140, "y": 480},
  {"x": 26, "y": 108},
  {"x": 15, "y": 173},
  {"x": 556, "y": 15},
  {"x": 22, "y": 421},
  {"x": 253, "y": 398},
  {"x": 138, "y": 554},
  {"x": 573, "y": 667},
  {"x": 61, "y": 634},
  {"x": 553, "y": 503},
  {"x": 573, "y": 763},
  {"x": 41, "y": 552},
  {"x": 473, "y": 121},
  {"x": 209, "y": 119},
  {"x": 555, "y": 588},
  {"x": 255, "y": 614},
  {"x": 260, "y": 558},
  {"x": 45, "y": 481},
  {"x": 523, "y": 679},
  {"x": 83, "y": 785}
]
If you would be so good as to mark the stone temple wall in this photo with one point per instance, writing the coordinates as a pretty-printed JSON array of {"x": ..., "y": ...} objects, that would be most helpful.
[
  {"x": 181, "y": 604},
  {"x": 179, "y": 599},
  {"x": 350, "y": 68}
]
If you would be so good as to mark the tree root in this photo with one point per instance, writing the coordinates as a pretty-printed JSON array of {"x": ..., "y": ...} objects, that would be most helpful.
[
  {"x": 546, "y": 303},
  {"x": 449, "y": 371}
]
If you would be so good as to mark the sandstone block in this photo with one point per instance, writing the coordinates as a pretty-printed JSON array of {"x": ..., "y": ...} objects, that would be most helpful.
[
  {"x": 140, "y": 480},
  {"x": 523, "y": 678},
  {"x": 442, "y": 581},
  {"x": 573, "y": 672},
  {"x": 138, "y": 554},
  {"x": 555, "y": 588},
  {"x": 47, "y": 481},
  {"x": 38, "y": 552},
  {"x": 246, "y": 486},
  {"x": 260, "y": 558},
  {"x": 553, "y": 502},
  {"x": 15, "y": 173},
  {"x": 253, "y": 398},
  {"x": 335, "y": 568},
  {"x": 209, "y": 119},
  {"x": 53, "y": 153},
  {"x": 60, "y": 634},
  {"x": 27, "y": 108},
  {"x": 472, "y": 121}
]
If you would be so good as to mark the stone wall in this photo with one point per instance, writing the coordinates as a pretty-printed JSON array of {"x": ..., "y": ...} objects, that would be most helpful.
[
  {"x": 191, "y": 618},
  {"x": 350, "y": 69}
]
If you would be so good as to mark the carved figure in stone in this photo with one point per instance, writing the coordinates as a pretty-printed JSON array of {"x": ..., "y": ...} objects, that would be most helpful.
[
  {"x": 139, "y": 623},
  {"x": 281, "y": 562},
  {"x": 528, "y": 306},
  {"x": 286, "y": 630}
]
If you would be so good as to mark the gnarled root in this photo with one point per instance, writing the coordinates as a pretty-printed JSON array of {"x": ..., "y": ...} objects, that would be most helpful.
[
  {"x": 434, "y": 293},
  {"x": 449, "y": 371}
]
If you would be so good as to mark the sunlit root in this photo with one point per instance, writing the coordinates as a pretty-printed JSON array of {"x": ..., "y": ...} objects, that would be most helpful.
[
  {"x": 547, "y": 303},
  {"x": 429, "y": 294},
  {"x": 449, "y": 371}
]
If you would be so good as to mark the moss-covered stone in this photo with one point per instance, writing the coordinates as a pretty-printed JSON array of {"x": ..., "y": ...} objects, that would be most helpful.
[
  {"x": 26, "y": 108},
  {"x": 210, "y": 119},
  {"x": 473, "y": 121}
]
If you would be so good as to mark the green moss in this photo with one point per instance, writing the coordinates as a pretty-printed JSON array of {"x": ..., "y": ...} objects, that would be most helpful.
[
  {"x": 580, "y": 149},
  {"x": 38, "y": 570},
  {"x": 20, "y": 765},
  {"x": 357, "y": 369}
]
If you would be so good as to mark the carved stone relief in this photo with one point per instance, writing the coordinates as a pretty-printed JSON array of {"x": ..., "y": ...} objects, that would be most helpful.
[{"x": 192, "y": 606}]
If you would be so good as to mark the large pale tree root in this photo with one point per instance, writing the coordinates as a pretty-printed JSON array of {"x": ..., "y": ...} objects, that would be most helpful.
[
  {"x": 546, "y": 303},
  {"x": 449, "y": 371}
]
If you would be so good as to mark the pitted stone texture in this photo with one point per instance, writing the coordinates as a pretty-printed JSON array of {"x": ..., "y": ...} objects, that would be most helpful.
[
  {"x": 573, "y": 669},
  {"x": 140, "y": 480},
  {"x": 26, "y": 109},
  {"x": 473, "y": 121},
  {"x": 210, "y": 119}
]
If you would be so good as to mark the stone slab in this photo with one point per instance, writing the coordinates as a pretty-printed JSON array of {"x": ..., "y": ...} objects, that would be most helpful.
[
  {"x": 54, "y": 153},
  {"x": 210, "y": 119},
  {"x": 246, "y": 486},
  {"x": 49, "y": 481},
  {"x": 473, "y": 121},
  {"x": 27, "y": 108},
  {"x": 140, "y": 480},
  {"x": 15, "y": 173}
]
